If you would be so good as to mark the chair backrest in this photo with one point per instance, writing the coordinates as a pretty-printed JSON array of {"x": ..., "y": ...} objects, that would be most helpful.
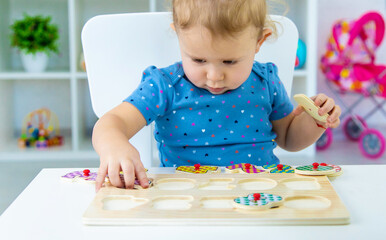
[{"x": 118, "y": 47}]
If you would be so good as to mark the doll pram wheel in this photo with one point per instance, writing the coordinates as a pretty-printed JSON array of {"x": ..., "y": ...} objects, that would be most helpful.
[
  {"x": 372, "y": 143},
  {"x": 353, "y": 127},
  {"x": 325, "y": 140}
]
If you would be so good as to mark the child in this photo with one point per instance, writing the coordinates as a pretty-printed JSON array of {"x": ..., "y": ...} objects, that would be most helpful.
[{"x": 216, "y": 107}]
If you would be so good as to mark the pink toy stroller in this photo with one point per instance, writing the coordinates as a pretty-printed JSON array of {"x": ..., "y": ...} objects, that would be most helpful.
[{"x": 349, "y": 66}]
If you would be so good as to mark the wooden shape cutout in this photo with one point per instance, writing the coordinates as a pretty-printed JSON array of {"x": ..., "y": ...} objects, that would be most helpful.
[{"x": 310, "y": 107}]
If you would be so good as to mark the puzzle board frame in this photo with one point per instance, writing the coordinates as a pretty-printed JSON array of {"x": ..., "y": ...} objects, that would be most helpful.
[{"x": 145, "y": 214}]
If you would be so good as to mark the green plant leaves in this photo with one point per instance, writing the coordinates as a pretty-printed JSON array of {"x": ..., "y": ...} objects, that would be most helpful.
[{"x": 34, "y": 34}]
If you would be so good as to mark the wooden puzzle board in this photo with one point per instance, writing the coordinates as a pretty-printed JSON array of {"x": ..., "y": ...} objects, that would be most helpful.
[{"x": 189, "y": 199}]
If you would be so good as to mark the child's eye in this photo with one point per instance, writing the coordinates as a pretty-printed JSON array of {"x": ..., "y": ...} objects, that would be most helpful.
[
  {"x": 229, "y": 62},
  {"x": 199, "y": 60}
]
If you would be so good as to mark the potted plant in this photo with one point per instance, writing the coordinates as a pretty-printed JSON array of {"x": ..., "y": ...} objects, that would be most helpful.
[{"x": 35, "y": 37}]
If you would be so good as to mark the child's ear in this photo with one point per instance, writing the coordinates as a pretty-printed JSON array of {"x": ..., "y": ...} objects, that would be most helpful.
[
  {"x": 266, "y": 33},
  {"x": 172, "y": 26}
]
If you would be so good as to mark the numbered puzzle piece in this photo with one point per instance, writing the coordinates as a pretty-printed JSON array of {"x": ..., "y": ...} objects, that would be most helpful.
[
  {"x": 258, "y": 201},
  {"x": 198, "y": 169},
  {"x": 315, "y": 169},
  {"x": 243, "y": 168},
  {"x": 80, "y": 176},
  {"x": 310, "y": 107}
]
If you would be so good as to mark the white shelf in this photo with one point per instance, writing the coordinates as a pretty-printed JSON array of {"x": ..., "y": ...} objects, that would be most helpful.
[
  {"x": 64, "y": 88},
  {"x": 81, "y": 75},
  {"x": 35, "y": 76},
  {"x": 58, "y": 155},
  {"x": 300, "y": 73}
]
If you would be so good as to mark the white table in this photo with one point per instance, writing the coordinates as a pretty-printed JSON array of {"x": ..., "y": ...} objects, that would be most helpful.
[{"x": 51, "y": 209}]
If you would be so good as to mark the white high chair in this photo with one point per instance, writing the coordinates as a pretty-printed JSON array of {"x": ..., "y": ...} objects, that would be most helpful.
[{"x": 118, "y": 47}]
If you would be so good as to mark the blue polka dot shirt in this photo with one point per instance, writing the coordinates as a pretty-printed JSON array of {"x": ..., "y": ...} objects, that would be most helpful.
[{"x": 194, "y": 126}]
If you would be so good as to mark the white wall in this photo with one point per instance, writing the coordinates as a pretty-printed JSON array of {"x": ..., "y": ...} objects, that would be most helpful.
[{"x": 333, "y": 10}]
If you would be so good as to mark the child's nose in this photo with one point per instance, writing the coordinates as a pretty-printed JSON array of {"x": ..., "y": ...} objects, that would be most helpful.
[{"x": 215, "y": 75}]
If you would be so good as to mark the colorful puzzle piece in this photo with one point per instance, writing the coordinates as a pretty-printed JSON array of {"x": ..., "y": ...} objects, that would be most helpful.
[
  {"x": 315, "y": 169},
  {"x": 338, "y": 170},
  {"x": 280, "y": 168},
  {"x": 198, "y": 169},
  {"x": 243, "y": 168},
  {"x": 90, "y": 177},
  {"x": 258, "y": 201},
  {"x": 275, "y": 166},
  {"x": 76, "y": 176}
]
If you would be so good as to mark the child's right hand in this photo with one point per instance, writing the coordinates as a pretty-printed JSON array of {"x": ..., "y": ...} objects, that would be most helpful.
[{"x": 126, "y": 159}]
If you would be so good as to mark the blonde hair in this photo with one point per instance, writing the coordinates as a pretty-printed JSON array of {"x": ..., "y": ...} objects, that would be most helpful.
[{"x": 222, "y": 17}]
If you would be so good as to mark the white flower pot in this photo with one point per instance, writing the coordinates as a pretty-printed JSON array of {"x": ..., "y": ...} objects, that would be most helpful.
[{"x": 34, "y": 62}]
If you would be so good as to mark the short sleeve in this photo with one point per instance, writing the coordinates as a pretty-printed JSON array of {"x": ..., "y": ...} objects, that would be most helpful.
[
  {"x": 281, "y": 104},
  {"x": 153, "y": 95}
]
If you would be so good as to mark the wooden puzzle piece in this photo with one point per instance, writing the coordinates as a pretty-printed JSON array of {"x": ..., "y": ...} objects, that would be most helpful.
[
  {"x": 137, "y": 184},
  {"x": 80, "y": 176},
  {"x": 280, "y": 168},
  {"x": 310, "y": 107},
  {"x": 90, "y": 177},
  {"x": 258, "y": 201},
  {"x": 243, "y": 168},
  {"x": 338, "y": 170},
  {"x": 315, "y": 169},
  {"x": 198, "y": 169},
  {"x": 271, "y": 166}
]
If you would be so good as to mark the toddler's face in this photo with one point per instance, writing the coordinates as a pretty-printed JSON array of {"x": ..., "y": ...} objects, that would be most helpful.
[{"x": 217, "y": 64}]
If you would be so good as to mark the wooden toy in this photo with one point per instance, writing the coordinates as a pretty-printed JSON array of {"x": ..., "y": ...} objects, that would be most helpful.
[
  {"x": 310, "y": 107},
  {"x": 221, "y": 199},
  {"x": 338, "y": 170},
  {"x": 316, "y": 169},
  {"x": 258, "y": 201},
  {"x": 243, "y": 168},
  {"x": 40, "y": 129},
  {"x": 198, "y": 169},
  {"x": 280, "y": 168},
  {"x": 90, "y": 177},
  {"x": 137, "y": 184},
  {"x": 80, "y": 176}
]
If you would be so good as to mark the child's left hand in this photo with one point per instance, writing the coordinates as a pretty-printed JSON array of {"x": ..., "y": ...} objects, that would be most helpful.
[{"x": 327, "y": 105}]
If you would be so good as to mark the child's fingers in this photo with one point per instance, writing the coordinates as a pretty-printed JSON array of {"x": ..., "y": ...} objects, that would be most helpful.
[
  {"x": 128, "y": 174},
  {"x": 298, "y": 110},
  {"x": 319, "y": 99},
  {"x": 140, "y": 172},
  {"x": 334, "y": 124},
  {"x": 327, "y": 107},
  {"x": 333, "y": 119},
  {"x": 114, "y": 177},
  {"x": 102, "y": 172},
  {"x": 325, "y": 103}
]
